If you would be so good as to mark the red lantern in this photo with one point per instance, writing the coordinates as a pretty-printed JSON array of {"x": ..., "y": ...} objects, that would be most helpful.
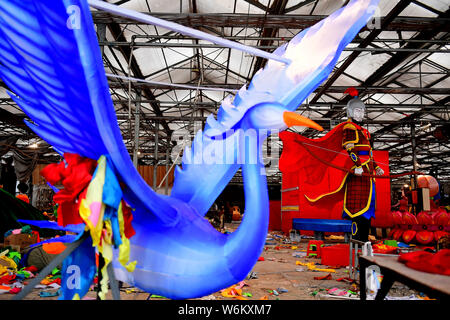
[
  {"x": 442, "y": 221},
  {"x": 397, "y": 232},
  {"x": 425, "y": 220},
  {"x": 425, "y": 181},
  {"x": 409, "y": 221}
]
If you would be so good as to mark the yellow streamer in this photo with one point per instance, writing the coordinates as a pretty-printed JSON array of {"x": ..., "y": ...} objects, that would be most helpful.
[
  {"x": 101, "y": 230},
  {"x": 311, "y": 266}
]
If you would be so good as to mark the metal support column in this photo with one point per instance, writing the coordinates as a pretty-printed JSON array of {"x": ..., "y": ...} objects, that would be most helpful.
[
  {"x": 414, "y": 156},
  {"x": 101, "y": 32},
  {"x": 137, "y": 120},
  {"x": 166, "y": 185},
  {"x": 155, "y": 166},
  {"x": 414, "y": 160}
]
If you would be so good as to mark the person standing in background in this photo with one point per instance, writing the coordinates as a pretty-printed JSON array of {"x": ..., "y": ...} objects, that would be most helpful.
[
  {"x": 23, "y": 188},
  {"x": 8, "y": 177}
]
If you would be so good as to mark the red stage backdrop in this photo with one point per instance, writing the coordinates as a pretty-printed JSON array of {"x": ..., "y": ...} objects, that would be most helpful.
[
  {"x": 275, "y": 215},
  {"x": 303, "y": 174}
]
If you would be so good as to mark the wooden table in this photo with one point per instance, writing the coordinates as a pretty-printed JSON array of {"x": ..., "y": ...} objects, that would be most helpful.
[{"x": 434, "y": 285}]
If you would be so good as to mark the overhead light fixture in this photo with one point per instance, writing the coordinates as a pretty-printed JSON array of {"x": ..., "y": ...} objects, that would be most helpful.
[{"x": 425, "y": 127}]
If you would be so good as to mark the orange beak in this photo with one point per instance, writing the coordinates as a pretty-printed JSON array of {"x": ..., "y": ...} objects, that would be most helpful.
[{"x": 293, "y": 119}]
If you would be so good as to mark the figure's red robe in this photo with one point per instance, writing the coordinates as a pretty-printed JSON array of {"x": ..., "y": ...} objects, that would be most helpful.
[{"x": 295, "y": 157}]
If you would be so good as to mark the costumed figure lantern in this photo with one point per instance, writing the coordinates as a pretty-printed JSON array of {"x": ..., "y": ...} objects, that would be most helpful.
[
  {"x": 335, "y": 166},
  {"x": 359, "y": 202}
]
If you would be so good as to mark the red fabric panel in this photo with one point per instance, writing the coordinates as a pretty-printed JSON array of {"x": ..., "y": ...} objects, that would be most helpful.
[
  {"x": 428, "y": 262},
  {"x": 274, "y": 215},
  {"x": 75, "y": 178},
  {"x": 127, "y": 219},
  {"x": 290, "y": 180},
  {"x": 286, "y": 221},
  {"x": 312, "y": 177},
  {"x": 315, "y": 178},
  {"x": 383, "y": 217}
]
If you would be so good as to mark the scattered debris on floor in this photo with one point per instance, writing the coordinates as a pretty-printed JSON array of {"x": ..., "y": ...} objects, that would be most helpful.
[{"x": 284, "y": 271}]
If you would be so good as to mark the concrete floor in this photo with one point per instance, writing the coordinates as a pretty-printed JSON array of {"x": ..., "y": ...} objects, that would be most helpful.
[{"x": 278, "y": 271}]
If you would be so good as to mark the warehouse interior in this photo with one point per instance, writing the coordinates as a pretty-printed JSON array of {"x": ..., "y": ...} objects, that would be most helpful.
[
  {"x": 165, "y": 84},
  {"x": 400, "y": 69}
]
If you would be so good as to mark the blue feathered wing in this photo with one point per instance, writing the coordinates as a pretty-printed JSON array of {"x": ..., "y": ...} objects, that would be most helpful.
[{"x": 55, "y": 71}]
